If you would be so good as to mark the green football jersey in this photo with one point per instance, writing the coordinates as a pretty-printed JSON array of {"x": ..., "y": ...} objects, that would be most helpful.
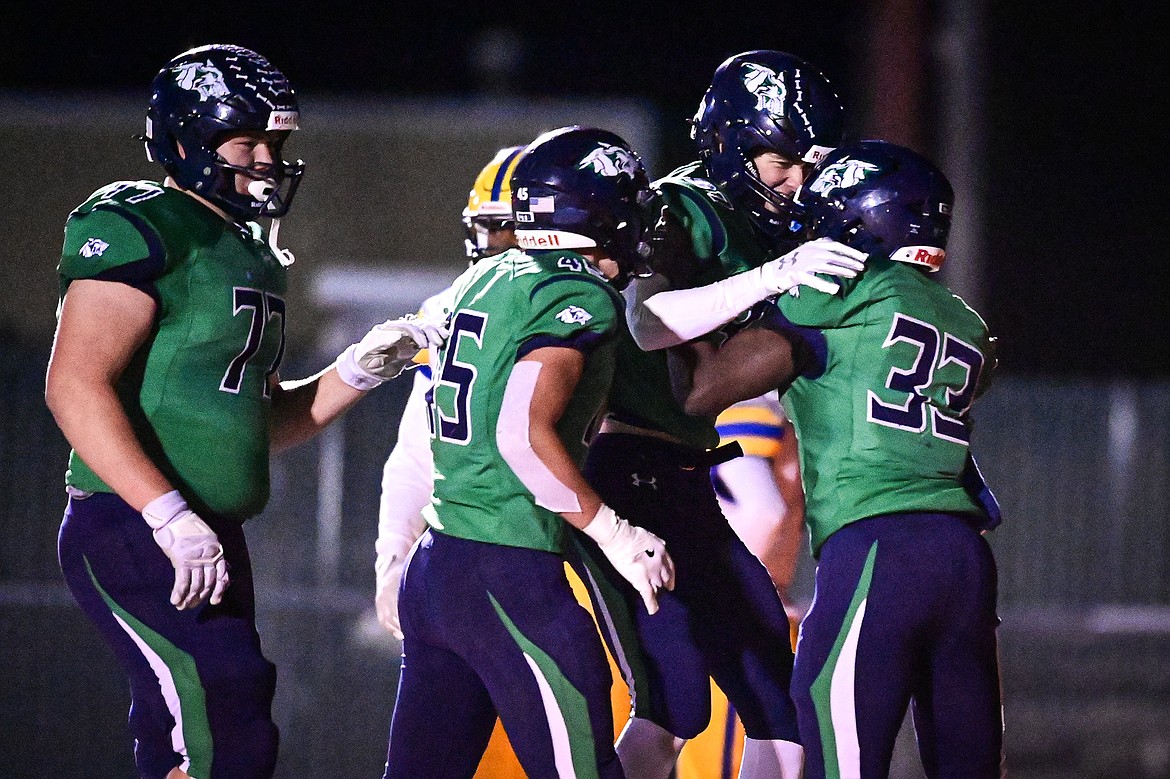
[
  {"x": 506, "y": 306},
  {"x": 724, "y": 241},
  {"x": 197, "y": 391},
  {"x": 882, "y": 419}
]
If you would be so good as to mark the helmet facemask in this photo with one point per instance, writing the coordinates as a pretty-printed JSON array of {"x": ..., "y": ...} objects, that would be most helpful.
[
  {"x": 489, "y": 206},
  {"x": 270, "y": 191}
]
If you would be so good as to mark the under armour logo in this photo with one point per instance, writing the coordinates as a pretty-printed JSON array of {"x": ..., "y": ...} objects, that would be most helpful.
[{"x": 638, "y": 481}]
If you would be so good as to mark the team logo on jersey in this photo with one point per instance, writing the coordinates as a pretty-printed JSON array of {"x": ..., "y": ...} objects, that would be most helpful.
[
  {"x": 609, "y": 160},
  {"x": 202, "y": 77},
  {"x": 767, "y": 86},
  {"x": 94, "y": 247},
  {"x": 841, "y": 175},
  {"x": 712, "y": 192},
  {"x": 574, "y": 315}
]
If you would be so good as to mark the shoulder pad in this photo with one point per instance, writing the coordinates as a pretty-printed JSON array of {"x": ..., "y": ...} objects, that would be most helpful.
[{"x": 122, "y": 193}]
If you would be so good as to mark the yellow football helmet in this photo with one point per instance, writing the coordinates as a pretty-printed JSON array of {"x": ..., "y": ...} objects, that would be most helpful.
[{"x": 489, "y": 206}]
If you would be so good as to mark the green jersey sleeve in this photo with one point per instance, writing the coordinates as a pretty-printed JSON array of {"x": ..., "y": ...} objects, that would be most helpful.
[
  {"x": 106, "y": 243},
  {"x": 697, "y": 217},
  {"x": 813, "y": 308}
]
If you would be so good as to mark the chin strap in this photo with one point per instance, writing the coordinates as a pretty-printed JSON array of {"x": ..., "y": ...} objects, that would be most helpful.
[{"x": 284, "y": 256}]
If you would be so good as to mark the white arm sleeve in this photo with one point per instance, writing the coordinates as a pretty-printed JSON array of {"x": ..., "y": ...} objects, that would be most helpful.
[
  {"x": 516, "y": 449},
  {"x": 649, "y": 332},
  {"x": 690, "y": 313},
  {"x": 408, "y": 476}
]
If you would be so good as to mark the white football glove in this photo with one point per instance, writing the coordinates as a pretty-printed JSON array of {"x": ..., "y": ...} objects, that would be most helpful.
[
  {"x": 387, "y": 350},
  {"x": 637, "y": 554},
  {"x": 193, "y": 548},
  {"x": 388, "y": 568},
  {"x": 801, "y": 265}
]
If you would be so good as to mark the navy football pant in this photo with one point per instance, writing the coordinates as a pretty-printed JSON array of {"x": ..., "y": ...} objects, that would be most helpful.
[
  {"x": 496, "y": 629},
  {"x": 201, "y": 690},
  {"x": 904, "y": 612},
  {"x": 724, "y": 619}
]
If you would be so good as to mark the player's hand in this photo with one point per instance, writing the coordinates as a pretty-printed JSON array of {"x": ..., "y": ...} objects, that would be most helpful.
[
  {"x": 637, "y": 554},
  {"x": 387, "y": 350},
  {"x": 801, "y": 265},
  {"x": 388, "y": 569},
  {"x": 193, "y": 548}
]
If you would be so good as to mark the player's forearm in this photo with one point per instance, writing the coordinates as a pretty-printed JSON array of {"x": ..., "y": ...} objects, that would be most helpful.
[
  {"x": 648, "y": 330},
  {"x": 750, "y": 363},
  {"x": 538, "y": 389},
  {"x": 540, "y": 461},
  {"x": 690, "y": 313},
  {"x": 302, "y": 409},
  {"x": 94, "y": 424},
  {"x": 547, "y": 447}
]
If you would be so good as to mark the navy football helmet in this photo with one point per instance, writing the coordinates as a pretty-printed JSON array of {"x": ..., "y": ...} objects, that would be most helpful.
[
  {"x": 764, "y": 100},
  {"x": 881, "y": 198},
  {"x": 201, "y": 96},
  {"x": 578, "y": 187}
]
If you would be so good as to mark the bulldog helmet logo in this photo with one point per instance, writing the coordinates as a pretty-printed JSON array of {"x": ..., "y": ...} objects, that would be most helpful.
[
  {"x": 610, "y": 160},
  {"x": 202, "y": 77}
]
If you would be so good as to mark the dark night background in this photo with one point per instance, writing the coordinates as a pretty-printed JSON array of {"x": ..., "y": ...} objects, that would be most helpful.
[
  {"x": 1067, "y": 139},
  {"x": 1075, "y": 101}
]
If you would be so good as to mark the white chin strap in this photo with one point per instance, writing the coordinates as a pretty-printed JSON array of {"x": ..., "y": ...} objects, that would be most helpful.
[
  {"x": 261, "y": 190},
  {"x": 284, "y": 256}
]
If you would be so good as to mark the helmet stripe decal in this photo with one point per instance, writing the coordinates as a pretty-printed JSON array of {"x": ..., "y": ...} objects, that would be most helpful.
[{"x": 505, "y": 172}]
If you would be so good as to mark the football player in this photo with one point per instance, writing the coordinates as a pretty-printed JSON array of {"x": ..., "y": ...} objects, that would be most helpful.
[
  {"x": 407, "y": 478},
  {"x": 164, "y": 379},
  {"x": 765, "y": 117},
  {"x": 879, "y": 379},
  {"x": 490, "y": 622}
]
